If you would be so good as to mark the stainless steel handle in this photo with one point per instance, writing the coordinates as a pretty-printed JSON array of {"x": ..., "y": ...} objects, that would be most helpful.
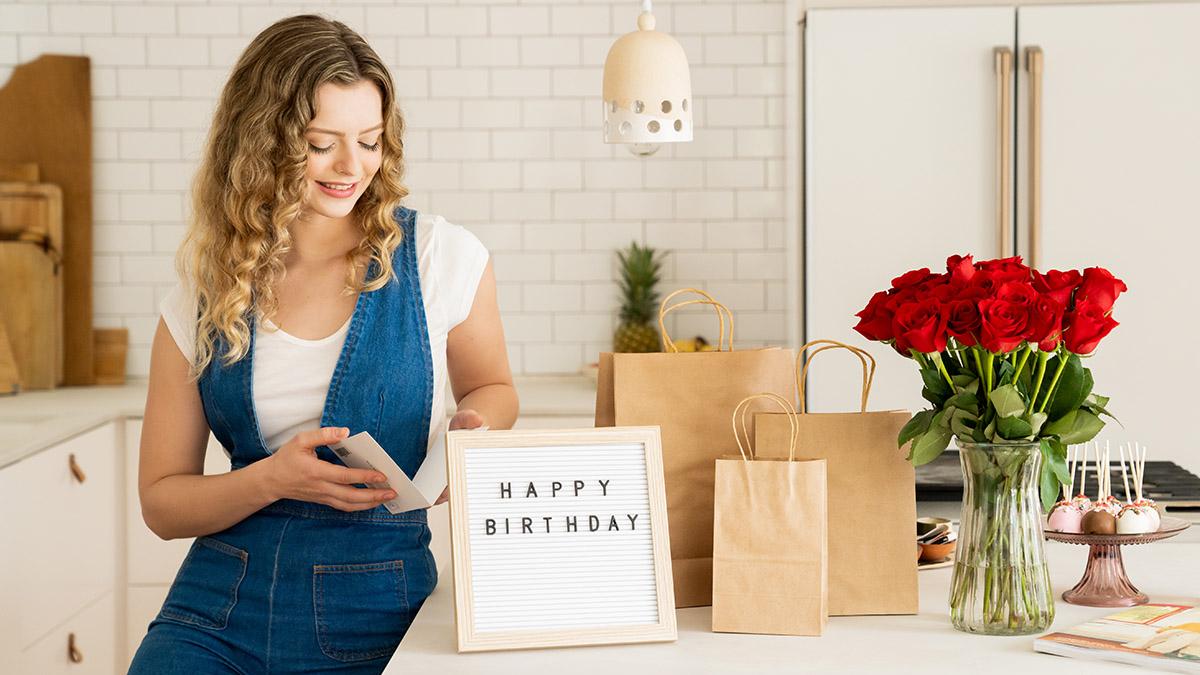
[
  {"x": 1033, "y": 64},
  {"x": 1004, "y": 60}
]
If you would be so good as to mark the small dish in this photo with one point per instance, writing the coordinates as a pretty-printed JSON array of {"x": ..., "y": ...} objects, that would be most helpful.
[{"x": 937, "y": 552}]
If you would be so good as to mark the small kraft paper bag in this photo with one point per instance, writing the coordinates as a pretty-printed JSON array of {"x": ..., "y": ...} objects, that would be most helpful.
[
  {"x": 769, "y": 537},
  {"x": 872, "y": 493},
  {"x": 689, "y": 395}
]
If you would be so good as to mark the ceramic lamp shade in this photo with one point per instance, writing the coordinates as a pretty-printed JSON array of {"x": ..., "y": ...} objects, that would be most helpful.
[{"x": 647, "y": 88}]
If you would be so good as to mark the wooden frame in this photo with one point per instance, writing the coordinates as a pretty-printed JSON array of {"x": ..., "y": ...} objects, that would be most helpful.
[{"x": 460, "y": 443}]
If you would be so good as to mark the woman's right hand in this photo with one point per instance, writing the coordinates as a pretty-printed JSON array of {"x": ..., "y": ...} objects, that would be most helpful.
[{"x": 297, "y": 473}]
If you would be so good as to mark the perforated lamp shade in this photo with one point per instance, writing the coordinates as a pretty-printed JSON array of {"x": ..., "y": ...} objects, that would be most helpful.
[{"x": 647, "y": 87}]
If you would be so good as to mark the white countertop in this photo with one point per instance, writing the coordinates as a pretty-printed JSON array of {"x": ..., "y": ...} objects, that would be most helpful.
[
  {"x": 924, "y": 643},
  {"x": 34, "y": 420}
]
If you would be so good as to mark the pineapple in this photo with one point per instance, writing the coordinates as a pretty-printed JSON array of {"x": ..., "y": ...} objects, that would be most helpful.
[{"x": 639, "y": 300}]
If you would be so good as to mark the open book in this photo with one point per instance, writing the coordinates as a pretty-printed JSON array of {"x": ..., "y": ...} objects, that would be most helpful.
[{"x": 1166, "y": 637}]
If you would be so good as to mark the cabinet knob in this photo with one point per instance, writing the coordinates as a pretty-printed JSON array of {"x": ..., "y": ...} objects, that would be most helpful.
[
  {"x": 76, "y": 471},
  {"x": 73, "y": 652}
]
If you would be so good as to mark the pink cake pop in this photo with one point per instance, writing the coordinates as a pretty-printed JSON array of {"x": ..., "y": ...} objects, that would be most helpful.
[{"x": 1065, "y": 516}]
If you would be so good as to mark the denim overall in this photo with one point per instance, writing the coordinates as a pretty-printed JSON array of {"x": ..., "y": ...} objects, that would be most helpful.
[{"x": 299, "y": 586}]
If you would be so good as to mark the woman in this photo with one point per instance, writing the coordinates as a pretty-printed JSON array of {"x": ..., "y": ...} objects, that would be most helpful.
[{"x": 312, "y": 307}]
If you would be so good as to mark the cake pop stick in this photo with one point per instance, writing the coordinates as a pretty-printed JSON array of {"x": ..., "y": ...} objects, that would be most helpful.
[{"x": 1124, "y": 475}]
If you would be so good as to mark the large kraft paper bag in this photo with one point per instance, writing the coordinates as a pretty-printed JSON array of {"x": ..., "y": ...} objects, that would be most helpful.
[
  {"x": 689, "y": 396},
  {"x": 871, "y": 492},
  {"x": 769, "y": 540}
]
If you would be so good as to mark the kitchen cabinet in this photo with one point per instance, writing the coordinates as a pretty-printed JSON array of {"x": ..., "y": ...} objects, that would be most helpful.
[
  {"x": 918, "y": 146},
  {"x": 59, "y": 555}
]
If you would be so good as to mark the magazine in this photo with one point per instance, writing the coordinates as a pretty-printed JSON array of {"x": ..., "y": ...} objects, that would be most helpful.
[{"x": 1166, "y": 637}]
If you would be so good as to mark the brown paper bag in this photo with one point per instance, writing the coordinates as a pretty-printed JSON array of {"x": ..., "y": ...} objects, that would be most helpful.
[
  {"x": 769, "y": 538},
  {"x": 872, "y": 495},
  {"x": 689, "y": 395}
]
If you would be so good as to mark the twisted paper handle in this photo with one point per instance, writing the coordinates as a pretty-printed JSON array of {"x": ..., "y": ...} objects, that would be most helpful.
[
  {"x": 803, "y": 360},
  {"x": 739, "y": 416},
  {"x": 722, "y": 313}
]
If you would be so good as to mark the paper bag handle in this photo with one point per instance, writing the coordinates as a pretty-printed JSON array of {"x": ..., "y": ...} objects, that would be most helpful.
[
  {"x": 722, "y": 313},
  {"x": 739, "y": 416},
  {"x": 804, "y": 359}
]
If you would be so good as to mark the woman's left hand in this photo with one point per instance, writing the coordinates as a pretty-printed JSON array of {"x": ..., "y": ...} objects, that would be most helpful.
[{"x": 463, "y": 419}]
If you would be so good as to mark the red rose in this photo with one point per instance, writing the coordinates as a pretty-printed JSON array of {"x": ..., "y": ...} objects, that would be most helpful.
[
  {"x": 939, "y": 287},
  {"x": 1045, "y": 323},
  {"x": 1099, "y": 287},
  {"x": 1087, "y": 325},
  {"x": 961, "y": 268},
  {"x": 962, "y": 321},
  {"x": 983, "y": 285},
  {"x": 920, "y": 326},
  {"x": 875, "y": 320},
  {"x": 1005, "y": 269},
  {"x": 1056, "y": 284},
  {"x": 1017, "y": 292},
  {"x": 912, "y": 278},
  {"x": 1004, "y": 325}
]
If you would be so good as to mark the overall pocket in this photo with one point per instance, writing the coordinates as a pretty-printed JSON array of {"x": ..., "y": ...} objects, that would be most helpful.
[
  {"x": 361, "y": 610},
  {"x": 205, "y": 590}
]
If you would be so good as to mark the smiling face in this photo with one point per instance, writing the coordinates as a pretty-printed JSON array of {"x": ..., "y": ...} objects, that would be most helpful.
[{"x": 344, "y": 147}]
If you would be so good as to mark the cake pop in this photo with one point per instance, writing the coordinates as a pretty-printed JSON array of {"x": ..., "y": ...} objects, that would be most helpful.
[
  {"x": 1100, "y": 519},
  {"x": 1065, "y": 516},
  {"x": 1141, "y": 515}
]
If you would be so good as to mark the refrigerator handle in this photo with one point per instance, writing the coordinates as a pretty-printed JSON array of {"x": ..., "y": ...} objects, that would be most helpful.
[
  {"x": 1033, "y": 64},
  {"x": 1003, "y": 57}
]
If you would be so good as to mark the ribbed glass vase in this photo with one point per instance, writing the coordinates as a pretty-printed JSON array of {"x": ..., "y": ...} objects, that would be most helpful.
[{"x": 1001, "y": 584}]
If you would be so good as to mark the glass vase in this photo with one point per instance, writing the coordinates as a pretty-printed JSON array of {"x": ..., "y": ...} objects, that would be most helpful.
[{"x": 1001, "y": 584}]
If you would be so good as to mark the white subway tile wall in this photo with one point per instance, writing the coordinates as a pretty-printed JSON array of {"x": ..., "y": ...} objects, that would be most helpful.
[{"x": 502, "y": 102}]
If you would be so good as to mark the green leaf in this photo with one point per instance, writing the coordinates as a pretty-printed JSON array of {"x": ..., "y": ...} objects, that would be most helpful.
[
  {"x": 931, "y": 444},
  {"x": 1049, "y": 487},
  {"x": 1054, "y": 455},
  {"x": 964, "y": 401},
  {"x": 1005, "y": 373},
  {"x": 963, "y": 423},
  {"x": 1072, "y": 389},
  {"x": 918, "y": 425},
  {"x": 1077, "y": 426},
  {"x": 1014, "y": 428},
  {"x": 934, "y": 382},
  {"x": 1036, "y": 422},
  {"x": 1007, "y": 401},
  {"x": 1096, "y": 403}
]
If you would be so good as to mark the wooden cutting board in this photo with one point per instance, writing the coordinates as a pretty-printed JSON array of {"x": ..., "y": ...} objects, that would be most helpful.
[
  {"x": 31, "y": 311},
  {"x": 10, "y": 379},
  {"x": 46, "y": 106}
]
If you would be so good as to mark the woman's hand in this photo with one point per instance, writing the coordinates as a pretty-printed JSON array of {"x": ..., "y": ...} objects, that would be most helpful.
[
  {"x": 463, "y": 419},
  {"x": 297, "y": 473}
]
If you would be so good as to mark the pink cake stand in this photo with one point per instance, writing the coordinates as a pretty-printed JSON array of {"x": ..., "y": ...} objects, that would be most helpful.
[{"x": 1104, "y": 582}]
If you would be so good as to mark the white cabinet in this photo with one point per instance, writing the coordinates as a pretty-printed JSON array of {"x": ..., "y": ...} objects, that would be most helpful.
[
  {"x": 903, "y": 117},
  {"x": 84, "y": 645},
  {"x": 58, "y": 556},
  {"x": 152, "y": 562}
]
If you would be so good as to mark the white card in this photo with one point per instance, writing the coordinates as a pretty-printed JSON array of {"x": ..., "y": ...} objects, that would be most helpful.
[{"x": 360, "y": 451}]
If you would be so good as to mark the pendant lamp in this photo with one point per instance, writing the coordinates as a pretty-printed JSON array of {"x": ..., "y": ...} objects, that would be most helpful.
[{"x": 647, "y": 89}]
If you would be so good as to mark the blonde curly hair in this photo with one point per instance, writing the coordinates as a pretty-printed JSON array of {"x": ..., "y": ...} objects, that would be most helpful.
[{"x": 250, "y": 183}]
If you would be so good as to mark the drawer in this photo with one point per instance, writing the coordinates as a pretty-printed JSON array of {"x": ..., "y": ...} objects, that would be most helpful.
[
  {"x": 152, "y": 560},
  {"x": 60, "y": 535},
  {"x": 141, "y": 606},
  {"x": 93, "y": 634}
]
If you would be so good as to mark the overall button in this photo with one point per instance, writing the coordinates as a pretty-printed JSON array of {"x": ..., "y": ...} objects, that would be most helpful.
[
  {"x": 206, "y": 588},
  {"x": 361, "y": 610}
]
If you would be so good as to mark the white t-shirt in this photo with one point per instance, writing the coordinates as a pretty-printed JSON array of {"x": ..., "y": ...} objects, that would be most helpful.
[{"x": 291, "y": 375}]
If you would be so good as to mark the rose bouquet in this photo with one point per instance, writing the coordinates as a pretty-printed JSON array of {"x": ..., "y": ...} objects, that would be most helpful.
[
  {"x": 999, "y": 349},
  {"x": 998, "y": 345}
]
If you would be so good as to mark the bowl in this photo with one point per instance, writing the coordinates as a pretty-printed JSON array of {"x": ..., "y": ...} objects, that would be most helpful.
[
  {"x": 928, "y": 523},
  {"x": 936, "y": 552}
]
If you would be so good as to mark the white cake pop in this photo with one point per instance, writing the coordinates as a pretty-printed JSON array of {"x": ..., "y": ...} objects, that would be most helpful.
[{"x": 1140, "y": 515}]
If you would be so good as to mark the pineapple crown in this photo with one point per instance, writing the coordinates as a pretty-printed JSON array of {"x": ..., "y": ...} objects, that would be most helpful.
[{"x": 639, "y": 275}]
